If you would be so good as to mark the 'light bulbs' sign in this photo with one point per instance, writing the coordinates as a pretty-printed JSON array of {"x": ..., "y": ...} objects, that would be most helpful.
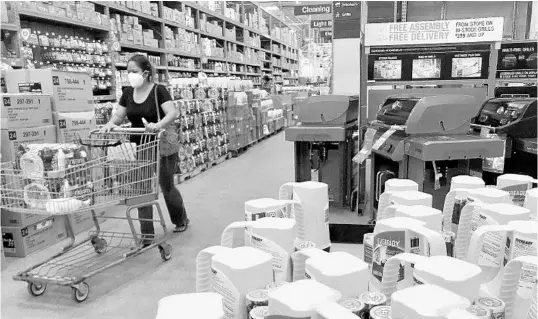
[{"x": 321, "y": 24}]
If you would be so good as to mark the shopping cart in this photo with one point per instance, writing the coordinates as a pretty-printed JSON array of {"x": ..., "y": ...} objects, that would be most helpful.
[{"x": 107, "y": 170}]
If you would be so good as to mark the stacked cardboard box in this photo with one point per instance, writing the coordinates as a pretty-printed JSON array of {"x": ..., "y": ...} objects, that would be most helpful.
[
  {"x": 240, "y": 119},
  {"x": 131, "y": 31},
  {"x": 42, "y": 106}
]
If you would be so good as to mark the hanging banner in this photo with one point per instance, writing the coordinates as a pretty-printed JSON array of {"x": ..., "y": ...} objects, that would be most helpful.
[
  {"x": 433, "y": 32},
  {"x": 321, "y": 24},
  {"x": 347, "y": 20},
  {"x": 517, "y": 61},
  {"x": 312, "y": 9}
]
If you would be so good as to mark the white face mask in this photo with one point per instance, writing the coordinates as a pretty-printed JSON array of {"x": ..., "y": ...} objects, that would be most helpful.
[{"x": 135, "y": 79}]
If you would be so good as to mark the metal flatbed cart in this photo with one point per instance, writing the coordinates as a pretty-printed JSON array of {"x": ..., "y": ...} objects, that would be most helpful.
[{"x": 115, "y": 172}]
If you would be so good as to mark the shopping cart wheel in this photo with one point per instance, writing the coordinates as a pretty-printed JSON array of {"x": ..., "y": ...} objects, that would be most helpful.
[
  {"x": 99, "y": 244},
  {"x": 166, "y": 251},
  {"x": 81, "y": 291},
  {"x": 36, "y": 289}
]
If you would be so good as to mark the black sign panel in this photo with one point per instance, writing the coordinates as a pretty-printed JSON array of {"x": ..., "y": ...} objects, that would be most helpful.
[
  {"x": 517, "y": 61},
  {"x": 321, "y": 24},
  {"x": 347, "y": 20},
  {"x": 456, "y": 62},
  {"x": 312, "y": 9}
]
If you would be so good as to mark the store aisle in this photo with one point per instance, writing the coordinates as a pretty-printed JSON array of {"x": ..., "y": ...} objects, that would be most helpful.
[{"x": 131, "y": 290}]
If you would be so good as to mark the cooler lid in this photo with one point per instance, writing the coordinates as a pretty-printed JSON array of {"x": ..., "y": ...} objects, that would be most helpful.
[{"x": 328, "y": 110}]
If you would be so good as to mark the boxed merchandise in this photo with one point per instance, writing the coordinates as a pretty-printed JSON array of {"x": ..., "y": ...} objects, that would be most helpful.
[
  {"x": 16, "y": 219},
  {"x": 25, "y": 110},
  {"x": 71, "y": 126},
  {"x": 83, "y": 221},
  {"x": 22, "y": 241},
  {"x": 12, "y": 138},
  {"x": 70, "y": 91}
]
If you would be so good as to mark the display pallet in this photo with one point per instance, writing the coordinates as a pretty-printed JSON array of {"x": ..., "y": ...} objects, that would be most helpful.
[{"x": 181, "y": 178}]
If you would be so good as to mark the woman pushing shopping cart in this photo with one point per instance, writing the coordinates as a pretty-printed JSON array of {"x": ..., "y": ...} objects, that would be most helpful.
[{"x": 98, "y": 173}]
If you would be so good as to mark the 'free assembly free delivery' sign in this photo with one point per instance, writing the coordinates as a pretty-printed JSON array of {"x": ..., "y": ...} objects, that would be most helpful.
[{"x": 434, "y": 32}]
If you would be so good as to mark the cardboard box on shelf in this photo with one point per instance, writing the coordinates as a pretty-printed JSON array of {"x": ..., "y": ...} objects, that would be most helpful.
[
  {"x": 70, "y": 91},
  {"x": 137, "y": 37},
  {"x": 25, "y": 110},
  {"x": 22, "y": 241},
  {"x": 71, "y": 126},
  {"x": 12, "y": 138}
]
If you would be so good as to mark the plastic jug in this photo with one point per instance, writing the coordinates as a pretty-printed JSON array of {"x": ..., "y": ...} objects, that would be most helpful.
[
  {"x": 533, "y": 309},
  {"x": 516, "y": 305},
  {"x": 191, "y": 306},
  {"x": 480, "y": 195},
  {"x": 310, "y": 209},
  {"x": 382, "y": 225},
  {"x": 429, "y": 215},
  {"x": 398, "y": 235},
  {"x": 466, "y": 182},
  {"x": 476, "y": 214},
  {"x": 203, "y": 267},
  {"x": 337, "y": 270},
  {"x": 276, "y": 236},
  {"x": 491, "y": 247},
  {"x": 459, "y": 185},
  {"x": 333, "y": 310},
  {"x": 237, "y": 272},
  {"x": 299, "y": 261},
  {"x": 404, "y": 198},
  {"x": 531, "y": 202},
  {"x": 426, "y": 302},
  {"x": 263, "y": 207},
  {"x": 301, "y": 298},
  {"x": 464, "y": 314},
  {"x": 456, "y": 275},
  {"x": 516, "y": 185},
  {"x": 391, "y": 186}
]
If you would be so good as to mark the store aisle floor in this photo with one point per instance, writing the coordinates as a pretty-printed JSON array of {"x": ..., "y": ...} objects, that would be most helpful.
[{"x": 131, "y": 290}]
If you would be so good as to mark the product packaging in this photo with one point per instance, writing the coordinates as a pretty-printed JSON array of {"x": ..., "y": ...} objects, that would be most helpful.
[
  {"x": 25, "y": 110},
  {"x": 70, "y": 91}
]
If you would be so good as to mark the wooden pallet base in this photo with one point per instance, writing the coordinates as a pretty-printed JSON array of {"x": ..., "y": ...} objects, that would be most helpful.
[
  {"x": 237, "y": 152},
  {"x": 180, "y": 178}
]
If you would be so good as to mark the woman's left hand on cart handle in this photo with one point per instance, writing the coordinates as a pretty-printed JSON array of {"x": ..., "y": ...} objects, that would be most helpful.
[{"x": 151, "y": 127}]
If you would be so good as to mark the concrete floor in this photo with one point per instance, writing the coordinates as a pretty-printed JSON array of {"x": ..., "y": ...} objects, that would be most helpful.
[{"x": 213, "y": 199}]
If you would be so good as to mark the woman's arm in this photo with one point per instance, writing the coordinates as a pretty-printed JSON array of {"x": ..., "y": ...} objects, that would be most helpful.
[
  {"x": 119, "y": 115},
  {"x": 170, "y": 115}
]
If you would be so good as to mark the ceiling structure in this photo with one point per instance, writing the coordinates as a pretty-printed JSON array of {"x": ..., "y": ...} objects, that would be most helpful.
[{"x": 284, "y": 11}]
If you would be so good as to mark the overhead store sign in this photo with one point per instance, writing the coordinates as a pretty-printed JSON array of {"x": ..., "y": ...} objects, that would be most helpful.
[
  {"x": 312, "y": 9},
  {"x": 434, "y": 32},
  {"x": 321, "y": 24},
  {"x": 517, "y": 61},
  {"x": 347, "y": 19},
  {"x": 326, "y": 36},
  {"x": 450, "y": 62}
]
